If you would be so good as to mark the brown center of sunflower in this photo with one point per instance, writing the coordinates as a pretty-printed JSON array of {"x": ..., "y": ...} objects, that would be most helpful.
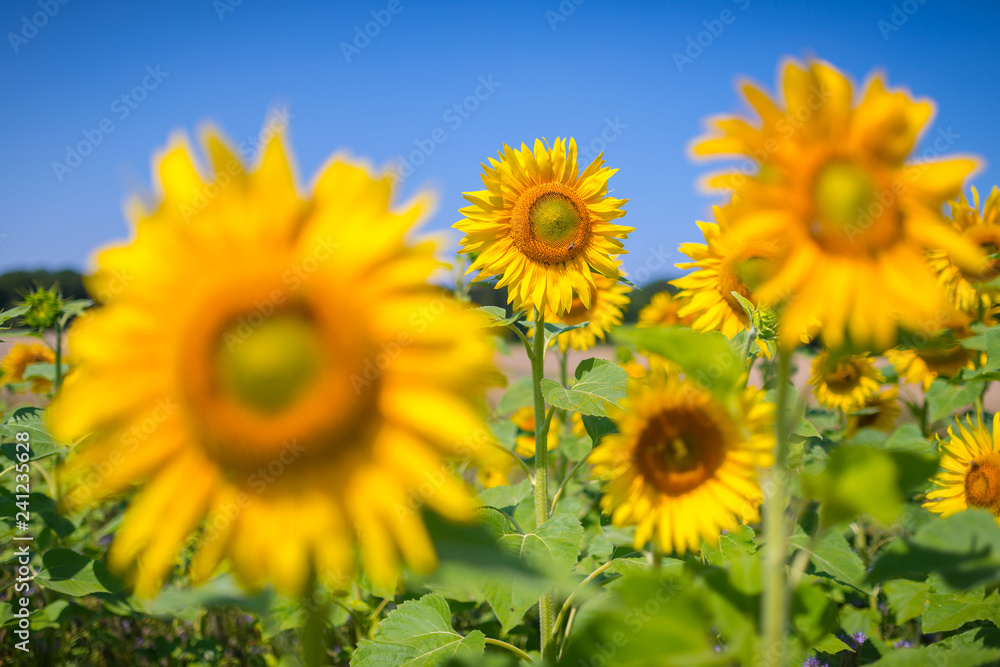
[
  {"x": 550, "y": 223},
  {"x": 982, "y": 483},
  {"x": 268, "y": 367},
  {"x": 680, "y": 449},
  {"x": 944, "y": 361},
  {"x": 743, "y": 270},
  {"x": 852, "y": 214},
  {"x": 843, "y": 378},
  {"x": 987, "y": 238}
]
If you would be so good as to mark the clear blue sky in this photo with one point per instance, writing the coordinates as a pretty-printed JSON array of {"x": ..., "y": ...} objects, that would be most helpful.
[{"x": 607, "y": 62}]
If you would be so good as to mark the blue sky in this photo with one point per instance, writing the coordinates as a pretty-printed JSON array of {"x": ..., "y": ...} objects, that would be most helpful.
[{"x": 551, "y": 69}]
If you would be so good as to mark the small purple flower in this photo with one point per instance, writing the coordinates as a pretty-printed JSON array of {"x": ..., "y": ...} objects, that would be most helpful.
[
  {"x": 813, "y": 661},
  {"x": 903, "y": 643},
  {"x": 858, "y": 638}
]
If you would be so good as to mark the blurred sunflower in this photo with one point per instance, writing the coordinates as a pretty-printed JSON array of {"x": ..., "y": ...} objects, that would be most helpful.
[
  {"x": 939, "y": 356},
  {"x": 844, "y": 382},
  {"x": 22, "y": 355},
  {"x": 661, "y": 311},
  {"x": 853, "y": 219},
  {"x": 297, "y": 396},
  {"x": 683, "y": 466},
  {"x": 524, "y": 444},
  {"x": 722, "y": 267},
  {"x": 971, "y": 291},
  {"x": 970, "y": 469},
  {"x": 543, "y": 226},
  {"x": 879, "y": 412},
  {"x": 607, "y": 299}
]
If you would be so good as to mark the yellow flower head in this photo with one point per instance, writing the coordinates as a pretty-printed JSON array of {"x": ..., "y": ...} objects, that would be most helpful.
[
  {"x": 607, "y": 299},
  {"x": 880, "y": 413},
  {"x": 844, "y": 382},
  {"x": 307, "y": 380},
  {"x": 939, "y": 356},
  {"x": 970, "y": 469},
  {"x": 662, "y": 311},
  {"x": 524, "y": 419},
  {"x": 969, "y": 290},
  {"x": 543, "y": 226},
  {"x": 20, "y": 357},
  {"x": 851, "y": 217},
  {"x": 683, "y": 465}
]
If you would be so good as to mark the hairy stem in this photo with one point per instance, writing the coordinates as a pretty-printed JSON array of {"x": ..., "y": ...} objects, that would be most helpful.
[{"x": 546, "y": 606}]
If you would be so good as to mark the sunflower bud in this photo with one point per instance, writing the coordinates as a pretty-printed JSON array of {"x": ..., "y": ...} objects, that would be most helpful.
[{"x": 43, "y": 308}]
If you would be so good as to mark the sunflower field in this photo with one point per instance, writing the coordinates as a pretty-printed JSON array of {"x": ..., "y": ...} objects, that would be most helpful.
[{"x": 292, "y": 437}]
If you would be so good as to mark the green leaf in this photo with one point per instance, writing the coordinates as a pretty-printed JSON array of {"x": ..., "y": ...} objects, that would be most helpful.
[
  {"x": 943, "y": 398},
  {"x": 553, "y": 330},
  {"x": 834, "y": 557},
  {"x": 497, "y": 317},
  {"x": 28, "y": 420},
  {"x": 938, "y": 655},
  {"x": 730, "y": 545},
  {"x": 964, "y": 550},
  {"x": 71, "y": 573},
  {"x": 44, "y": 370},
  {"x": 418, "y": 633},
  {"x": 866, "y": 480},
  {"x": 953, "y": 610},
  {"x": 518, "y": 395},
  {"x": 553, "y": 548},
  {"x": 221, "y": 592},
  {"x": 7, "y": 315},
  {"x": 598, "y": 427},
  {"x": 906, "y": 598},
  {"x": 505, "y": 496},
  {"x": 707, "y": 358},
  {"x": 595, "y": 392}
]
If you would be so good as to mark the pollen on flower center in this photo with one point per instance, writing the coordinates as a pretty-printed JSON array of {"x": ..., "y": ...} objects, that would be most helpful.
[
  {"x": 273, "y": 365},
  {"x": 982, "y": 482},
  {"x": 550, "y": 223},
  {"x": 680, "y": 451}
]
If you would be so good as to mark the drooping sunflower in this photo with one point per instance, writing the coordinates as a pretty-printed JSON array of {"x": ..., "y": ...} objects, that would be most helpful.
[
  {"x": 22, "y": 355},
  {"x": 662, "y": 311},
  {"x": 683, "y": 466},
  {"x": 844, "y": 382},
  {"x": 938, "y": 356},
  {"x": 543, "y": 226},
  {"x": 879, "y": 412},
  {"x": 608, "y": 298},
  {"x": 307, "y": 382},
  {"x": 833, "y": 189},
  {"x": 970, "y": 291},
  {"x": 970, "y": 469}
]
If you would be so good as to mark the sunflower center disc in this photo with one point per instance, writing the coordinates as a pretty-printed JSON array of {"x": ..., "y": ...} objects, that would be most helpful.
[
  {"x": 273, "y": 365},
  {"x": 680, "y": 451},
  {"x": 945, "y": 361},
  {"x": 844, "y": 195},
  {"x": 843, "y": 378},
  {"x": 982, "y": 482},
  {"x": 550, "y": 223},
  {"x": 988, "y": 239},
  {"x": 744, "y": 270}
]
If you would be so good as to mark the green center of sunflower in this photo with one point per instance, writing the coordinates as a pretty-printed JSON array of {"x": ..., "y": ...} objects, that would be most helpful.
[
  {"x": 982, "y": 483},
  {"x": 681, "y": 453},
  {"x": 269, "y": 366},
  {"x": 844, "y": 193},
  {"x": 550, "y": 223},
  {"x": 754, "y": 271}
]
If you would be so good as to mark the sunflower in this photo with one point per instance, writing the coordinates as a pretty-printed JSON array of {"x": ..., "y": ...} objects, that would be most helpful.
[
  {"x": 661, "y": 311},
  {"x": 683, "y": 465},
  {"x": 970, "y": 470},
  {"x": 524, "y": 444},
  {"x": 20, "y": 357},
  {"x": 607, "y": 299},
  {"x": 880, "y": 412},
  {"x": 834, "y": 191},
  {"x": 971, "y": 291},
  {"x": 307, "y": 382},
  {"x": 721, "y": 267},
  {"x": 543, "y": 226},
  {"x": 844, "y": 382},
  {"x": 941, "y": 355}
]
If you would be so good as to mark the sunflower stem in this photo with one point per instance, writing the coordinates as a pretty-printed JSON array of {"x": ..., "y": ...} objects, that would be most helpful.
[
  {"x": 748, "y": 341},
  {"x": 774, "y": 599},
  {"x": 546, "y": 606},
  {"x": 58, "y": 351},
  {"x": 513, "y": 649}
]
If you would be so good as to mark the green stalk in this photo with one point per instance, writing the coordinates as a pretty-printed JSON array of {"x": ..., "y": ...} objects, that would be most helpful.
[
  {"x": 58, "y": 350},
  {"x": 774, "y": 600},
  {"x": 546, "y": 605}
]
